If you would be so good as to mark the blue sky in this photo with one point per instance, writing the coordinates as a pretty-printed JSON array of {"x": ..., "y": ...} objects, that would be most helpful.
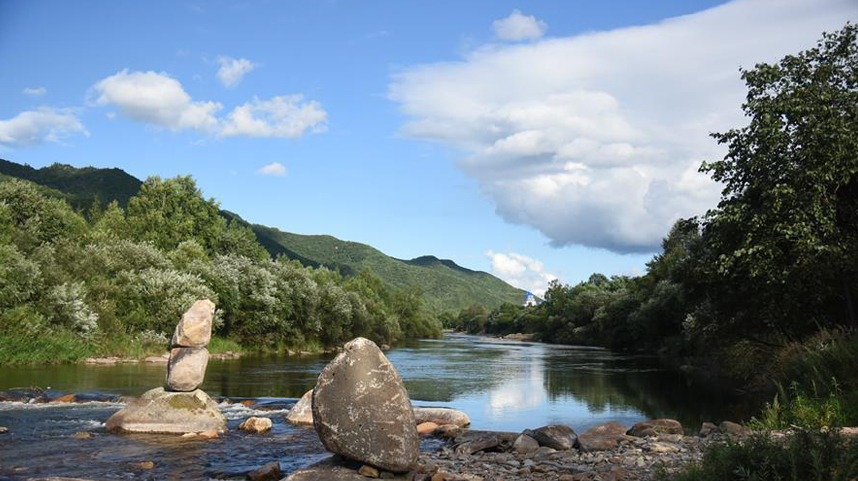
[{"x": 529, "y": 139}]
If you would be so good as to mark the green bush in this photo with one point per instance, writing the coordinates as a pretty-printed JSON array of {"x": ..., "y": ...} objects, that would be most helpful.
[{"x": 803, "y": 456}]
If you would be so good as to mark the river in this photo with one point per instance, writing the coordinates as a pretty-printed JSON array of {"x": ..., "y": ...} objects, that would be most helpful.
[{"x": 502, "y": 385}]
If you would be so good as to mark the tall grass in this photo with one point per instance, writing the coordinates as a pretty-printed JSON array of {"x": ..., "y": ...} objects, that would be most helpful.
[{"x": 804, "y": 456}]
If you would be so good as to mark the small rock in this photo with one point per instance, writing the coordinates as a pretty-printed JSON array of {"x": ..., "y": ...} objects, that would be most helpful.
[
  {"x": 385, "y": 347},
  {"x": 211, "y": 434},
  {"x": 68, "y": 398},
  {"x": 554, "y": 436},
  {"x": 524, "y": 444},
  {"x": 368, "y": 471},
  {"x": 663, "y": 448},
  {"x": 732, "y": 429},
  {"x": 256, "y": 425},
  {"x": 426, "y": 428},
  {"x": 708, "y": 429},
  {"x": 603, "y": 437},
  {"x": 655, "y": 427},
  {"x": 268, "y": 472},
  {"x": 302, "y": 412},
  {"x": 670, "y": 438},
  {"x": 143, "y": 465},
  {"x": 543, "y": 451},
  {"x": 81, "y": 435},
  {"x": 3, "y": 430},
  {"x": 447, "y": 431}
]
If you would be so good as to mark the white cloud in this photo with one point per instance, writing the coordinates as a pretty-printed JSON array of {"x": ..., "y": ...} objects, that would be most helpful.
[
  {"x": 596, "y": 139},
  {"x": 521, "y": 271},
  {"x": 232, "y": 70},
  {"x": 34, "y": 127},
  {"x": 518, "y": 26},
  {"x": 274, "y": 169},
  {"x": 284, "y": 116},
  {"x": 156, "y": 98},
  {"x": 34, "y": 91}
]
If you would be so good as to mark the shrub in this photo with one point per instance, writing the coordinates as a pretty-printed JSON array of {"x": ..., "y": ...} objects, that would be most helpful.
[{"x": 803, "y": 456}]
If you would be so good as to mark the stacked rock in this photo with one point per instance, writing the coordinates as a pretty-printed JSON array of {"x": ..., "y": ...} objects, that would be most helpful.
[
  {"x": 189, "y": 355},
  {"x": 180, "y": 407}
]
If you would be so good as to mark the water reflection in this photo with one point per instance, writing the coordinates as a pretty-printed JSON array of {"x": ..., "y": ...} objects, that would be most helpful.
[{"x": 501, "y": 384}]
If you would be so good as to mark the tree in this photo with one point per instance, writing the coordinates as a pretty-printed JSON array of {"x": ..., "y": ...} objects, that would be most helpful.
[{"x": 783, "y": 242}]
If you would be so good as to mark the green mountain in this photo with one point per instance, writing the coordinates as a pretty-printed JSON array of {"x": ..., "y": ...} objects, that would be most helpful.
[
  {"x": 80, "y": 187},
  {"x": 445, "y": 285}
]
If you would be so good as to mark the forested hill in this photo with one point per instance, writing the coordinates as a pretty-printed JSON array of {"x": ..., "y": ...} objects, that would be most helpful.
[
  {"x": 80, "y": 187},
  {"x": 445, "y": 285}
]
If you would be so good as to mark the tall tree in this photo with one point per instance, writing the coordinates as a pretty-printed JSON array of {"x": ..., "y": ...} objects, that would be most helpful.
[{"x": 783, "y": 242}]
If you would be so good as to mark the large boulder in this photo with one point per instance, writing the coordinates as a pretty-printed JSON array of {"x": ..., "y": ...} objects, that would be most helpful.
[
  {"x": 555, "y": 436},
  {"x": 186, "y": 370},
  {"x": 302, "y": 412},
  {"x": 163, "y": 412},
  {"x": 603, "y": 437},
  {"x": 361, "y": 409},
  {"x": 195, "y": 327},
  {"x": 441, "y": 416}
]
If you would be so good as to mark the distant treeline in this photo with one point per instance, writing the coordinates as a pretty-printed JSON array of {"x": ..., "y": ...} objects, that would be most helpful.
[
  {"x": 110, "y": 280},
  {"x": 765, "y": 285}
]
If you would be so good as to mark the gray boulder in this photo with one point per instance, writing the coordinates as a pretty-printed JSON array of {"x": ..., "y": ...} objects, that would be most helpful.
[
  {"x": 555, "y": 436},
  {"x": 186, "y": 369},
  {"x": 195, "y": 327},
  {"x": 361, "y": 409},
  {"x": 162, "y": 412},
  {"x": 302, "y": 412}
]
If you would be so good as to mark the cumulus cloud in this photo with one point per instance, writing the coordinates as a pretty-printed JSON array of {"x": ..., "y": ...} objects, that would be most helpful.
[
  {"x": 284, "y": 116},
  {"x": 158, "y": 99},
  {"x": 35, "y": 127},
  {"x": 596, "y": 139},
  {"x": 232, "y": 70},
  {"x": 34, "y": 91},
  {"x": 275, "y": 169},
  {"x": 518, "y": 26},
  {"x": 521, "y": 271}
]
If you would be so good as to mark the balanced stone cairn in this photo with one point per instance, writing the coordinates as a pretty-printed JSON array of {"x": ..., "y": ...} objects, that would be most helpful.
[
  {"x": 189, "y": 355},
  {"x": 180, "y": 407}
]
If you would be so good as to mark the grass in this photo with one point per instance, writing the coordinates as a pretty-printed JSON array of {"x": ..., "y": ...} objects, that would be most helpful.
[
  {"x": 48, "y": 348},
  {"x": 797, "y": 407},
  {"x": 804, "y": 456}
]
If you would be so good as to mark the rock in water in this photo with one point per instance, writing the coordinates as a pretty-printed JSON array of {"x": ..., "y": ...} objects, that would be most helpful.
[
  {"x": 361, "y": 409},
  {"x": 256, "y": 425},
  {"x": 163, "y": 412},
  {"x": 441, "y": 416},
  {"x": 302, "y": 412},
  {"x": 195, "y": 328},
  {"x": 187, "y": 368}
]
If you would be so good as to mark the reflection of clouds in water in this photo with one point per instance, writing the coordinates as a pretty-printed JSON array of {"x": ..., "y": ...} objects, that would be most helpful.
[{"x": 524, "y": 390}]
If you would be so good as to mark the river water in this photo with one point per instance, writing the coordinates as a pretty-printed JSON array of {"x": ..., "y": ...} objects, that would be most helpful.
[{"x": 502, "y": 385}]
